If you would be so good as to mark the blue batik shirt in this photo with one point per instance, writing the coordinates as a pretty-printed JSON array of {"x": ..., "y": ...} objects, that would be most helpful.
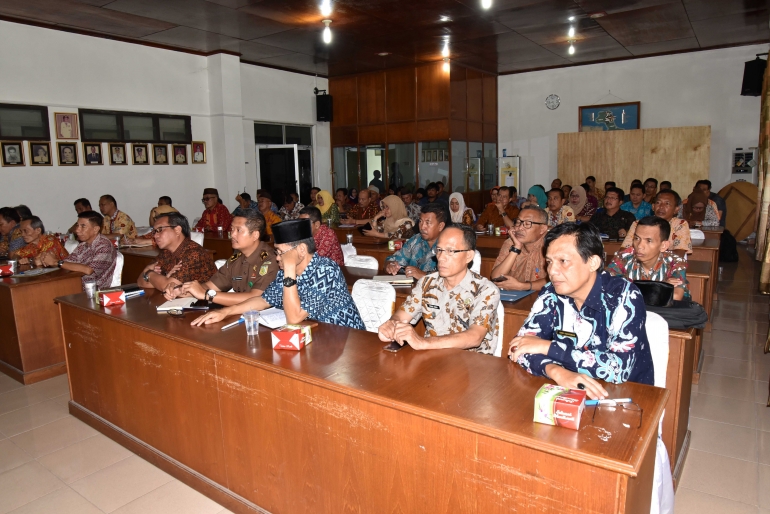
[
  {"x": 416, "y": 252},
  {"x": 644, "y": 209},
  {"x": 606, "y": 339},
  {"x": 323, "y": 294}
]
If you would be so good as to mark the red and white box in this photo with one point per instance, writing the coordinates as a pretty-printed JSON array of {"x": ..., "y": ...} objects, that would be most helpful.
[
  {"x": 503, "y": 231},
  {"x": 291, "y": 337},
  {"x": 6, "y": 270},
  {"x": 109, "y": 298},
  {"x": 559, "y": 406}
]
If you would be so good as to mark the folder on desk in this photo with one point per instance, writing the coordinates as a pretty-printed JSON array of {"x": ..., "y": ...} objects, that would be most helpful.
[
  {"x": 396, "y": 280},
  {"x": 176, "y": 304}
]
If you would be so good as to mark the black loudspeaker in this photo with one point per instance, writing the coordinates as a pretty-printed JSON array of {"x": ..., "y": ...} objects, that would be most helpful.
[
  {"x": 753, "y": 73},
  {"x": 323, "y": 107}
]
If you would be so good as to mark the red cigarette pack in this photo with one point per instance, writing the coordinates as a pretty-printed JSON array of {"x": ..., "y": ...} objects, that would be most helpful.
[
  {"x": 108, "y": 298},
  {"x": 559, "y": 406},
  {"x": 291, "y": 337}
]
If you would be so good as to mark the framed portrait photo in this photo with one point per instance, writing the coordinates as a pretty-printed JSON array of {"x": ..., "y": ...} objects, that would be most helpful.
[
  {"x": 68, "y": 154},
  {"x": 117, "y": 154},
  {"x": 199, "y": 152},
  {"x": 180, "y": 154},
  {"x": 139, "y": 153},
  {"x": 66, "y": 124},
  {"x": 160, "y": 154},
  {"x": 40, "y": 154},
  {"x": 93, "y": 154},
  {"x": 13, "y": 153}
]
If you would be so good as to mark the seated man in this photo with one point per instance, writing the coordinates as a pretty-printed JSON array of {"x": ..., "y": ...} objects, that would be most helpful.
[
  {"x": 719, "y": 202},
  {"x": 244, "y": 202},
  {"x": 291, "y": 208},
  {"x": 180, "y": 259},
  {"x": 558, "y": 211},
  {"x": 81, "y": 205},
  {"x": 665, "y": 185},
  {"x": 215, "y": 214},
  {"x": 363, "y": 212},
  {"x": 417, "y": 256},
  {"x": 665, "y": 206},
  {"x": 248, "y": 272},
  {"x": 650, "y": 190},
  {"x": 155, "y": 212},
  {"x": 458, "y": 306},
  {"x": 556, "y": 183},
  {"x": 116, "y": 223},
  {"x": 596, "y": 192},
  {"x": 649, "y": 258},
  {"x": 636, "y": 204},
  {"x": 307, "y": 286},
  {"x": 95, "y": 256},
  {"x": 165, "y": 200},
  {"x": 612, "y": 220},
  {"x": 520, "y": 263},
  {"x": 412, "y": 209},
  {"x": 326, "y": 242},
  {"x": 265, "y": 203},
  {"x": 11, "y": 238},
  {"x": 37, "y": 243},
  {"x": 500, "y": 214},
  {"x": 493, "y": 194},
  {"x": 585, "y": 325}
]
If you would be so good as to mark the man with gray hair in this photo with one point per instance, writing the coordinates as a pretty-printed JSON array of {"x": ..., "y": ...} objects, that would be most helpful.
[{"x": 520, "y": 265}]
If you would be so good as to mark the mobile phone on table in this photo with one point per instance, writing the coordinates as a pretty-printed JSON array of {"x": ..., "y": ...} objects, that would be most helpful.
[{"x": 394, "y": 347}]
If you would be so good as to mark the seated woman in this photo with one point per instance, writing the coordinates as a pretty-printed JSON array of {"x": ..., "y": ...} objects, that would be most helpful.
[
  {"x": 579, "y": 203},
  {"x": 590, "y": 199},
  {"x": 392, "y": 222},
  {"x": 698, "y": 211},
  {"x": 353, "y": 197},
  {"x": 459, "y": 212},
  {"x": 341, "y": 200},
  {"x": 536, "y": 196},
  {"x": 328, "y": 208}
]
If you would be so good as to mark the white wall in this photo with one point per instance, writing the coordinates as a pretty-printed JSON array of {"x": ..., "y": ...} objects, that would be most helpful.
[{"x": 699, "y": 88}]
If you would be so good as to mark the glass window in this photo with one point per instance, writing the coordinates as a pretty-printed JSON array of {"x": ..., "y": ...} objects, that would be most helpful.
[
  {"x": 174, "y": 130},
  {"x": 490, "y": 166},
  {"x": 299, "y": 135},
  {"x": 265, "y": 134},
  {"x": 401, "y": 165},
  {"x": 434, "y": 163},
  {"x": 100, "y": 127},
  {"x": 461, "y": 181},
  {"x": 372, "y": 164},
  {"x": 23, "y": 122},
  {"x": 138, "y": 128}
]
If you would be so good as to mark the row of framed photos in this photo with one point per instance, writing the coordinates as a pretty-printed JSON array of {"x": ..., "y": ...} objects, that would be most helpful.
[
  {"x": 67, "y": 153},
  {"x": 435, "y": 155}
]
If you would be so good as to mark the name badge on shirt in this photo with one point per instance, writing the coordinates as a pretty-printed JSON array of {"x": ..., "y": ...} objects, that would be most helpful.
[
  {"x": 432, "y": 306},
  {"x": 237, "y": 278},
  {"x": 564, "y": 333}
]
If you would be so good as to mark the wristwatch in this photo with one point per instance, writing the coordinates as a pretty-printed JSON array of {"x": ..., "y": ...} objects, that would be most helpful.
[
  {"x": 146, "y": 276},
  {"x": 210, "y": 294},
  {"x": 289, "y": 282},
  {"x": 60, "y": 263},
  {"x": 515, "y": 250},
  {"x": 504, "y": 214}
]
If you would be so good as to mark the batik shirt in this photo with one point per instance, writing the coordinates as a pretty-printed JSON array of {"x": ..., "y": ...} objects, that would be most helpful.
[
  {"x": 271, "y": 219},
  {"x": 669, "y": 266},
  {"x": 323, "y": 294},
  {"x": 100, "y": 256},
  {"x": 13, "y": 242},
  {"x": 327, "y": 245},
  {"x": 361, "y": 213},
  {"x": 119, "y": 223},
  {"x": 240, "y": 211},
  {"x": 413, "y": 211},
  {"x": 679, "y": 238},
  {"x": 563, "y": 215},
  {"x": 333, "y": 214},
  {"x": 644, "y": 209},
  {"x": 45, "y": 243},
  {"x": 471, "y": 302},
  {"x": 605, "y": 339},
  {"x": 291, "y": 215},
  {"x": 196, "y": 262},
  {"x": 211, "y": 220},
  {"x": 416, "y": 252}
]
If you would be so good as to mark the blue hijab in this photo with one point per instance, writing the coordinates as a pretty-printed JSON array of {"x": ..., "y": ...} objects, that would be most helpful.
[{"x": 539, "y": 193}]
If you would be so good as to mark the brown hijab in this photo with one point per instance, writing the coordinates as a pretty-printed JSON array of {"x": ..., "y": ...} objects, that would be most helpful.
[
  {"x": 692, "y": 200},
  {"x": 397, "y": 213}
]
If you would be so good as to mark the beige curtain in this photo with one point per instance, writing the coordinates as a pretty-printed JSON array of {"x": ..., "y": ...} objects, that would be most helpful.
[{"x": 763, "y": 170}]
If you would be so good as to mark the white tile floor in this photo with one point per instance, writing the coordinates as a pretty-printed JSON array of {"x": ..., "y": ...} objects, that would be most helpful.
[{"x": 51, "y": 463}]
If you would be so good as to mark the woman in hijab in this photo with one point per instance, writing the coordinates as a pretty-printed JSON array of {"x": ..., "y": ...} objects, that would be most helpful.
[
  {"x": 590, "y": 199},
  {"x": 536, "y": 196},
  {"x": 328, "y": 208},
  {"x": 392, "y": 222},
  {"x": 697, "y": 211},
  {"x": 458, "y": 211},
  {"x": 578, "y": 200}
]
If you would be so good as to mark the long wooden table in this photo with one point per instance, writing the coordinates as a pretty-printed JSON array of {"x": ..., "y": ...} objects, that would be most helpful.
[
  {"x": 31, "y": 345},
  {"x": 343, "y": 425},
  {"x": 679, "y": 373},
  {"x": 220, "y": 245},
  {"x": 136, "y": 259}
]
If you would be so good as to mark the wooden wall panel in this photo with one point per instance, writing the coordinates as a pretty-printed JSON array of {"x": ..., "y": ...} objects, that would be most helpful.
[
  {"x": 458, "y": 93},
  {"x": 433, "y": 130},
  {"x": 458, "y": 130},
  {"x": 680, "y": 155},
  {"x": 475, "y": 94},
  {"x": 432, "y": 92},
  {"x": 401, "y": 132},
  {"x": 371, "y": 98},
  {"x": 371, "y": 134},
  {"x": 342, "y": 136},
  {"x": 400, "y": 94},
  {"x": 490, "y": 133},
  {"x": 475, "y": 132},
  {"x": 345, "y": 111},
  {"x": 490, "y": 99}
]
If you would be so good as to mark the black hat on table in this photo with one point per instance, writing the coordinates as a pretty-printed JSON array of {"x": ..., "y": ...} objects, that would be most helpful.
[{"x": 291, "y": 231}]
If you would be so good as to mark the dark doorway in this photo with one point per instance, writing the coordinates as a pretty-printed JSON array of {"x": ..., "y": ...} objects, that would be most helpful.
[{"x": 277, "y": 172}]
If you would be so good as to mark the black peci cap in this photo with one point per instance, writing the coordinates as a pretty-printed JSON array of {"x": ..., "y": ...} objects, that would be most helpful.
[{"x": 291, "y": 231}]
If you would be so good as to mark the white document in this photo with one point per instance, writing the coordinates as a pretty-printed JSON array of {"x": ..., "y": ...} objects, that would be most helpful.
[
  {"x": 395, "y": 279},
  {"x": 178, "y": 303},
  {"x": 272, "y": 317}
]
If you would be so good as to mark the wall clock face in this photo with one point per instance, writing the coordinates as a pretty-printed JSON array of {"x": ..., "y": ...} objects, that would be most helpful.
[{"x": 552, "y": 102}]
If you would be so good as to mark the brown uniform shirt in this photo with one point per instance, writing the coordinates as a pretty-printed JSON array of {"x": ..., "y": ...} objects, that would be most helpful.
[{"x": 243, "y": 274}]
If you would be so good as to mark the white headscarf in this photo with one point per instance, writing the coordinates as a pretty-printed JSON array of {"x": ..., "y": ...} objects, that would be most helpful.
[{"x": 457, "y": 217}]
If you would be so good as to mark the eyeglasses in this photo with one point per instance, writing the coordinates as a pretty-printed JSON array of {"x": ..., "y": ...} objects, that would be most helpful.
[
  {"x": 160, "y": 229},
  {"x": 207, "y": 198},
  {"x": 630, "y": 409},
  {"x": 438, "y": 251},
  {"x": 278, "y": 254},
  {"x": 527, "y": 224}
]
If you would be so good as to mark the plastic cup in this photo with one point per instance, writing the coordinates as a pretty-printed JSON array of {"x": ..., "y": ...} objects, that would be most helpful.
[
  {"x": 251, "y": 319},
  {"x": 90, "y": 287}
]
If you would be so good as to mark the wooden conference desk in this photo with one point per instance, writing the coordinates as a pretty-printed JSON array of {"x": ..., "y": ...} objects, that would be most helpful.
[
  {"x": 31, "y": 345},
  {"x": 343, "y": 425},
  {"x": 220, "y": 245},
  {"x": 135, "y": 260}
]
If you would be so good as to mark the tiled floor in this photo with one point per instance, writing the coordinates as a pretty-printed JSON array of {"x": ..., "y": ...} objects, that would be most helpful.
[{"x": 52, "y": 463}]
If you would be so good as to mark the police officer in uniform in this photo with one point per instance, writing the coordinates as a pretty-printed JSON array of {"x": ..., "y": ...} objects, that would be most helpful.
[{"x": 248, "y": 272}]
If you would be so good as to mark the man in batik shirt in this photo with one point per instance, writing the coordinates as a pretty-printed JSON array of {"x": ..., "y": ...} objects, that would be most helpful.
[
  {"x": 666, "y": 205},
  {"x": 458, "y": 306},
  {"x": 215, "y": 214},
  {"x": 291, "y": 208},
  {"x": 558, "y": 211},
  {"x": 116, "y": 223},
  {"x": 416, "y": 256},
  {"x": 363, "y": 212},
  {"x": 38, "y": 243},
  {"x": 586, "y": 325},
  {"x": 11, "y": 239}
]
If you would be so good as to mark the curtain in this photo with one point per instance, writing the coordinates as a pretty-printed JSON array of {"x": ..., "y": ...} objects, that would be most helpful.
[{"x": 763, "y": 170}]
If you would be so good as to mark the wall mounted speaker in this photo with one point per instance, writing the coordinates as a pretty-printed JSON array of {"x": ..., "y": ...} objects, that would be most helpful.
[
  {"x": 324, "y": 107},
  {"x": 753, "y": 74}
]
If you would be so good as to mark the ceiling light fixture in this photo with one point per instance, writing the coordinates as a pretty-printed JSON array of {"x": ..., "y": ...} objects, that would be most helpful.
[
  {"x": 571, "y": 32},
  {"x": 445, "y": 50},
  {"x": 571, "y": 18},
  {"x": 486, "y": 4},
  {"x": 326, "y": 8},
  {"x": 445, "y": 18},
  {"x": 571, "y": 49},
  {"x": 445, "y": 67},
  {"x": 383, "y": 54},
  {"x": 327, "y": 32}
]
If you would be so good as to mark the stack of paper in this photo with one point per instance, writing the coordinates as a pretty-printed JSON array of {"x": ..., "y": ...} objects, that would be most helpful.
[{"x": 176, "y": 304}]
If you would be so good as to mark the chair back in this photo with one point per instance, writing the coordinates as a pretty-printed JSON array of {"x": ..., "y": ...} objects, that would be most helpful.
[
  {"x": 197, "y": 237},
  {"x": 117, "y": 275},
  {"x": 362, "y": 261},
  {"x": 476, "y": 265},
  {"x": 657, "y": 335},
  {"x": 500, "y": 319},
  {"x": 697, "y": 234},
  {"x": 219, "y": 263},
  {"x": 375, "y": 302},
  {"x": 70, "y": 245}
]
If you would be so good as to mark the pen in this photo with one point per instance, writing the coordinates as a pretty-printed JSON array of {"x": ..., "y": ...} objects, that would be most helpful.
[
  {"x": 234, "y": 323},
  {"x": 591, "y": 403}
]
